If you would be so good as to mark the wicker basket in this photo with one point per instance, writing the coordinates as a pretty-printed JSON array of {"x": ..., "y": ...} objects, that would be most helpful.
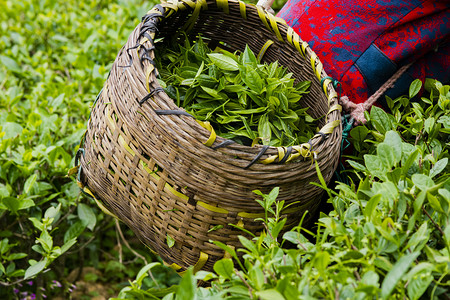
[{"x": 163, "y": 173}]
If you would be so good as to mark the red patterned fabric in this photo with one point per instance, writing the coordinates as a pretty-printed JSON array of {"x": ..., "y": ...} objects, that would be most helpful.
[{"x": 363, "y": 43}]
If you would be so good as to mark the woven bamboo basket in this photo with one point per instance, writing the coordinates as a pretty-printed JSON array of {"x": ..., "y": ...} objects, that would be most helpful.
[{"x": 163, "y": 173}]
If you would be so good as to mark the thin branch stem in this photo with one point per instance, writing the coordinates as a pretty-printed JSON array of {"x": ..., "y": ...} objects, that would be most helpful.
[
  {"x": 2, "y": 283},
  {"x": 119, "y": 230},
  {"x": 118, "y": 241},
  {"x": 250, "y": 290},
  {"x": 82, "y": 246},
  {"x": 432, "y": 221}
]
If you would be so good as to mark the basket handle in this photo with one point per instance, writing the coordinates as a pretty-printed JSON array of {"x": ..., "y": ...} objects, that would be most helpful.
[{"x": 267, "y": 5}]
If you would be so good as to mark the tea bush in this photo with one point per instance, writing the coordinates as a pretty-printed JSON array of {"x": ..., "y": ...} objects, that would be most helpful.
[
  {"x": 54, "y": 58},
  {"x": 386, "y": 236}
]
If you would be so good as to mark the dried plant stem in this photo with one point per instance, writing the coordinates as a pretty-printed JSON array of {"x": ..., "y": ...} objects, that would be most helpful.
[{"x": 119, "y": 230}]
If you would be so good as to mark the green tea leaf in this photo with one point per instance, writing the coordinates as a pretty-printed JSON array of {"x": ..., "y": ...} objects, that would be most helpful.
[
  {"x": 249, "y": 57},
  {"x": 321, "y": 261},
  {"x": 87, "y": 216},
  {"x": 46, "y": 241},
  {"x": 36, "y": 268},
  {"x": 11, "y": 130},
  {"x": 379, "y": 117},
  {"x": 170, "y": 241},
  {"x": 419, "y": 284},
  {"x": 359, "y": 133},
  {"x": 414, "y": 88},
  {"x": 56, "y": 102},
  {"x": 226, "y": 248},
  {"x": 248, "y": 244},
  {"x": 386, "y": 155},
  {"x": 271, "y": 294},
  {"x": 419, "y": 236},
  {"x": 375, "y": 165},
  {"x": 357, "y": 166},
  {"x": 29, "y": 183},
  {"x": 212, "y": 92},
  {"x": 67, "y": 245},
  {"x": 264, "y": 130},
  {"x": 144, "y": 272},
  {"x": 393, "y": 139},
  {"x": 422, "y": 181},
  {"x": 249, "y": 111},
  {"x": 410, "y": 161},
  {"x": 224, "y": 268},
  {"x": 10, "y": 64},
  {"x": 74, "y": 231},
  {"x": 429, "y": 124},
  {"x": 16, "y": 204},
  {"x": 434, "y": 202},
  {"x": 216, "y": 227},
  {"x": 188, "y": 284},
  {"x": 223, "y": 62},
  {"x": 251, "y": 78},
  {"x": 438, "y": 167},
  {"x": 256, "y": 276},
  {"x": 371, "y": 206},
  {"x": 396, "y": 273}
]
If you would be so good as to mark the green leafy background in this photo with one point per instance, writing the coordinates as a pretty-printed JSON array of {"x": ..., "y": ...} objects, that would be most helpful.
[{"x": 384, "y": 232}]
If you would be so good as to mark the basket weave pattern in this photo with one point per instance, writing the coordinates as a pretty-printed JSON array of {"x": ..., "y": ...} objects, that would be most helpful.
[{"x": 163, "y": 174}]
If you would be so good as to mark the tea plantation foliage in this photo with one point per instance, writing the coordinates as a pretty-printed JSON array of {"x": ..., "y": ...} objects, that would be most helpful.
[{"x": 385, "y": 234}]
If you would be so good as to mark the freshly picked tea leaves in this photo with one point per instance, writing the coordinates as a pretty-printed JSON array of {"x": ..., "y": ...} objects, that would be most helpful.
[{"x": 244, "y": 100}]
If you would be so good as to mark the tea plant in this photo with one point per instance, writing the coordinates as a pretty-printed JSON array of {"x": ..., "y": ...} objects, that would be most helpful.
[{"x": 54, "y": 58}]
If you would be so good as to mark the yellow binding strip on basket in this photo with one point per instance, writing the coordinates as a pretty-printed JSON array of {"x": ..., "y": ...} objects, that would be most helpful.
[
  {"x": 325, "y": 86},
  {"x": 281, "y": 152},
  {"x": 169, "y": 7},
  {"x": 329, "y": 127},
  {"x": 251, "y": 215},
  {"x": 262, "y": 16},
  {"x": 125, "y": 145},
  {"x": 304, "y": 46},
  {"x": 303, "y": 150},
  {"x": 199, "y": 4},
  {"x": 212, "y": 208},
  {"x": 274, "y": 24},
  {"x": 173, "y": 266},
  {"x": 197, "y": 267},
  {"x": 317, "y": 69},
  {"x": 223, "y": 4},
  {"x": 190, "y": 3},
  {"x": 212, "y": 137},
  {"x": 120, "y": 138},
  {"x": 175, "y": 192},
  {"x": 264, "y": 49},
  {"x": 86, "y": 190},
  {"x": 143, "y": 41},
  {"x": 243, "y": 10},
  {"x": 335, "y": 107},
  {"x": 167, "y": 187},
  {"x": 110, "y": 120},
  {"x": 294, "y": 40},
  {"x": 280, "y": 20},
  {"x": 332, "y": 95}
]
